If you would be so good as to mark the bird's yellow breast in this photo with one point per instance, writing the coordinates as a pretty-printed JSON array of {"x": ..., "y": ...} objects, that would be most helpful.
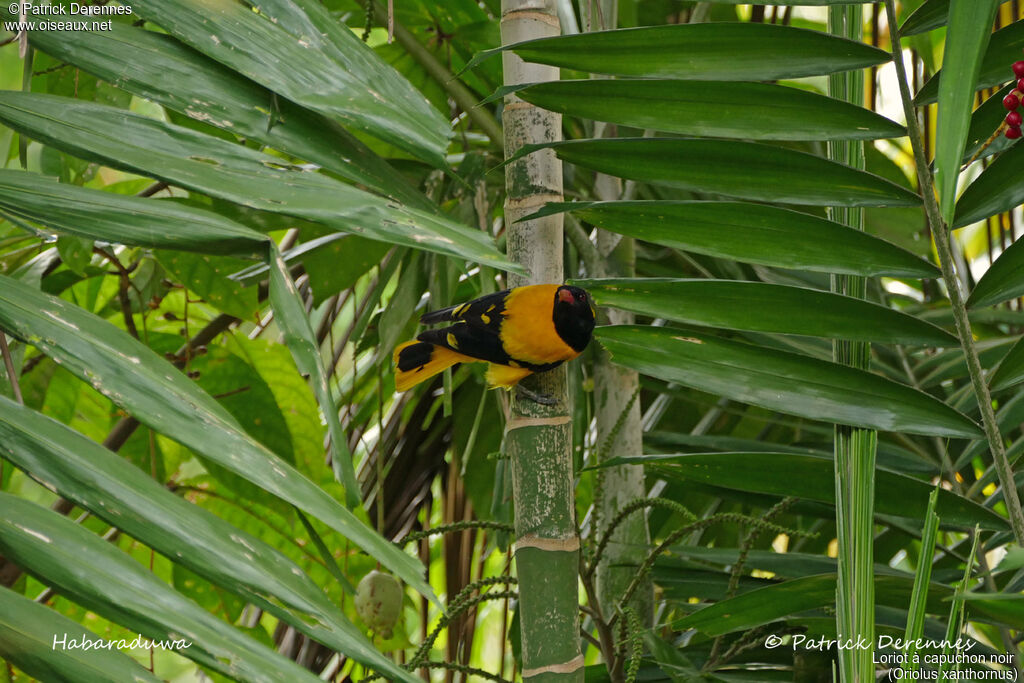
[{"x": 528, "y": 331}]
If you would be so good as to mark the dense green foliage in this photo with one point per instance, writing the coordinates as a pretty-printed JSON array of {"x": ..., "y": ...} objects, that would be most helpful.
[{"x": 218, "y": 219}]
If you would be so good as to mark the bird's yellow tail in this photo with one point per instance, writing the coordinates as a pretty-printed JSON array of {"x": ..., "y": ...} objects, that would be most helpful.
[{"x": 417, "y": 361}]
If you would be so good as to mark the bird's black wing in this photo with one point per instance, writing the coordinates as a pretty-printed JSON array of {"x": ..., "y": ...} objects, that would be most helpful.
[
  {"x": 469, "y": 340},
  {"x": 485, "y": 313}
]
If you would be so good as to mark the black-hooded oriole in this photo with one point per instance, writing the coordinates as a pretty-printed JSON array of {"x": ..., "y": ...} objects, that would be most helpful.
[{"x": 517, "y": 332}]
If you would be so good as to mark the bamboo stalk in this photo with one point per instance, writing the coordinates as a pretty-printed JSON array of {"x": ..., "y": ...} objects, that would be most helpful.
[
  {"x": 538, "y": 438},
  {"x": 854, "y": 447}
]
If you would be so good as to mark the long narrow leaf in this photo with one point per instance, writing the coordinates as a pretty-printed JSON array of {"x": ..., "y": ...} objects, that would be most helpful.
[
  {"x": 768, "y": 604},
  {"x": 745, "y": 170},
  {"x": 922, "y": 579},
  {"x": 30, "y": 633},
  {"x": 95, "y": 574},
  {"x": 96, "y": 479},
  {"x": 161, "y": 69},
  {"x": 297, "y": 49},
  {"x": 234, "y": 172},
  {"x": 301, "y": 341},
  {"x": 709, "y": 51},
  {"x": 1011, "y": 369},
  {"x": 144, "y": 222},
  {"x": 809, "y": 477},
  {"x": 712, "y": 109},
  {"x": 759, "y": 306},
  {"x": 786, "y": 382},
  {"x": 970, "y": 26},
  {"x": 121, "y": 219},
  {"x": 1004, "y": 48},
  {"x": 995, "y": 190},
  {"x": 753, "y": 233},
  {"x": 156, "y": 393},
  {"x": 1003, "y": 280},
  {"x": 984, "y": 121}
]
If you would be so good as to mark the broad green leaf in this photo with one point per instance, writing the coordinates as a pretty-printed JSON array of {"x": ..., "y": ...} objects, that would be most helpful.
[
  {"x": 96, "y": 479},
  {"x": 713, "y": 109},
  {"x": 707, "y": 52},
  {"x": 1004, "y": 48},
  {"x": 753, "y": 233},
  {"x": 27, "y": 634},
  {"x": 1003, "y": 280},
  {"x": 333, "y": 263},
  {"x": 292, "y": 393},
  {"x": 76, "y": 252},
  {"x": 996, "y": 189},
  {"x": 297, "y": 49},
  {"x": 812, "y": 477},
  {"x": 157, "y": 394},
  {"x": 1011, "y": 370},
  {"x": 233, "y": 172},
  {"x": 98, "y": 576},
  {"x": 782, "y": 381},
  {"x": 763, "y": 307},
  {"x": 244, "y": 393},
  {"x": 970, "y": 26},
  {"x": 161, "y": 69},
  {"x": 112, "y": 217},
  {"x": 746, "y": 170},
  {"x": 301, "y": 341},
  {"x": 207, "y": 276}
]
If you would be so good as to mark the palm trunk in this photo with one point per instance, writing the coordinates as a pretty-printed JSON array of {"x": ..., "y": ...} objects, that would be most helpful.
[
  {"x": 614, "y": 390},
  {"x": 538, "y": 438},
  {"x": 617, "y": 405}
]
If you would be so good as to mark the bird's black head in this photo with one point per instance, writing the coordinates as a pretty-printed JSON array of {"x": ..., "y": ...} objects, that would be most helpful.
[{"x": 573, "y": 316}]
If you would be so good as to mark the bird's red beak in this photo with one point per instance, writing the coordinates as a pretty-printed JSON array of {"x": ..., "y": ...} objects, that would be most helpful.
[{"x": 565, "y": 296}]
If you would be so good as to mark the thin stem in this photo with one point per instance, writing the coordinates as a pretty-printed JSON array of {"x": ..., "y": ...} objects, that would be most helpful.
[
  {"x": 587, "y": 251},
  {"x": 9, "y": 366},
  {"x": 606, "y": 638},
  {"x": 462, "y": 95},
  {"x": 963, "y": 325}
]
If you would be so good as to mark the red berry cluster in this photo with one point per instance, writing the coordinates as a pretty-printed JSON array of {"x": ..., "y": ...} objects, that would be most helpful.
[{"x": 1012, "y": 101}]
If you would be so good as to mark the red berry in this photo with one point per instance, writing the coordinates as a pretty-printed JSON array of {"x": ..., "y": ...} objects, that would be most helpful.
[
  {"x": 1018, "y": 69},
  {"x": 1011, "y": 102},
  {"x": 1013, "y": 132},
  {"x": 1020, "y": 84},
  {"x": 1014, "y": 119}
]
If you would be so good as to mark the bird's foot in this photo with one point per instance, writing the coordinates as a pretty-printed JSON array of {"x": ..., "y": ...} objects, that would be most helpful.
[{"x": 536, "y": 397}]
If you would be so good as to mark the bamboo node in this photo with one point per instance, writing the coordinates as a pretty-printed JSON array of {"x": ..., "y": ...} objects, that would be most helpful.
[
  {"x": 517, "y": 422},
  {"x": 570, "y": 544},
  {"x": 574, "y": 664},
  {"x": 531, "y": 15},
  {"x": 533, "y": 201}
]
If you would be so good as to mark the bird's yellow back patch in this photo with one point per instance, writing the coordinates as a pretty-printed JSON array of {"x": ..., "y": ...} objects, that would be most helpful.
[{"x": 528, "y": 330}]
